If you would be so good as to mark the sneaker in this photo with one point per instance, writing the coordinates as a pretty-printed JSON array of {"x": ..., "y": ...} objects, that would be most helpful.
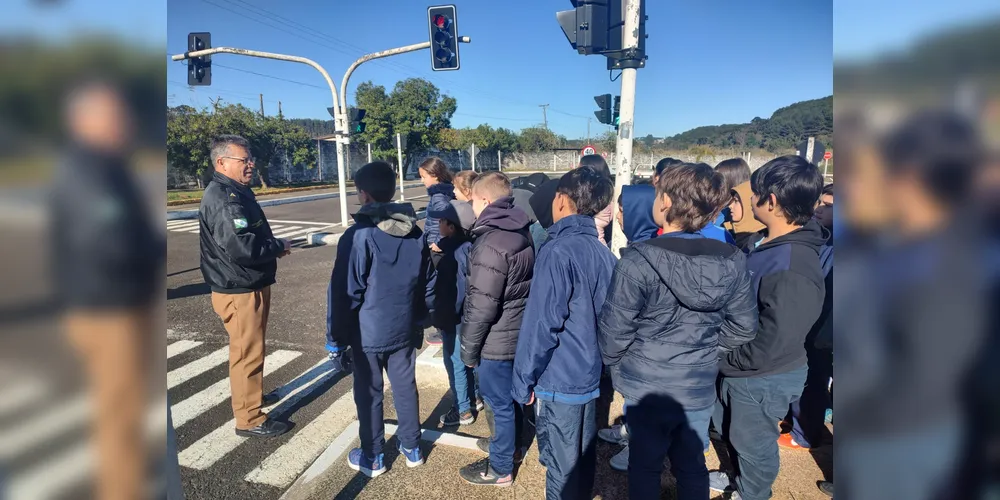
[
  {"x": 414, "y": 457},
  {"x": 735, "y": 495},
  {"x": 617, "y": 434},
  {"x": 453, "y": 417},
  {"x": 484, "y": 446},
  {"x": 482, "y": 474},
  {"x": 787, "y": 441},
  {"x": 371, "y": 467},
  {"x": 720, "y": 482},
  {"x": 619, "y": 462},
  {"x": 480, "y": 405},
  {"x": 826, "y": 487},
  {"x": 434, "y": 338}
]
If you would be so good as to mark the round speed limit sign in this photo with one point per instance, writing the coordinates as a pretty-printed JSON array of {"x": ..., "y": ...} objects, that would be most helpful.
[{"x": 589, "y": 150}]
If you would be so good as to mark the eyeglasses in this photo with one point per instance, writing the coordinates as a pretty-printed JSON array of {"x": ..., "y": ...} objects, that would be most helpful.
[{"x": 248, "y": 160}]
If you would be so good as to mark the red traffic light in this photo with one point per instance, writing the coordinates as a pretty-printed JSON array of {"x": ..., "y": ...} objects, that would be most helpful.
[{"x": 442, "y": 22}]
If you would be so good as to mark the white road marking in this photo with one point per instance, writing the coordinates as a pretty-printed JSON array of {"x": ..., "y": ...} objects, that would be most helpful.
[
  {"x": 427, "y": 357},
  {"x": 185, "y": 225},
  {"x": 327, "y": 458},
  {"x": 186, "y": 410},
  {"x": 197, "y": 367},
  {"x": 296, "y": 234},
  {"x": 53, "y": 477},
  {"x": 313, "y": 223},
  {"x": 34, "y": 431},
  {"x": 438, "y": 437},
  {"x": 282, "y": 467},
  {"x": 286, "y": 231},
  {"x": 21, "y": 393},
  {"x": 181, "y": 346},
  {"x": 208, "y": 450}
]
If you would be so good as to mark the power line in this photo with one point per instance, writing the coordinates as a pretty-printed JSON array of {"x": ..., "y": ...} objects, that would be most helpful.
[{"x": 214, "y": 64}]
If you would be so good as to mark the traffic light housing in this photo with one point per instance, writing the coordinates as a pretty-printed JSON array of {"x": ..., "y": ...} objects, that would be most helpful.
[
  {"x": 442, "y": 25},
  {"x": 618, "y": 107},
  {"x": 199, "y": 68},
  {"x": 586, "y": 26},
  {"x": 604, "y": 114},
  {"x": 618, "y": 57},
  {"x": 356, "y": 118}
]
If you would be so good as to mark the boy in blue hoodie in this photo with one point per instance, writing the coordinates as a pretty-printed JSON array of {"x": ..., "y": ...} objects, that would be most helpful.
[
  {"x": 378, "y": 295},
  {"x": 455, "y": 224},
  {"x": 761, "y": 378},
  {"x": 557, "y": 362}
]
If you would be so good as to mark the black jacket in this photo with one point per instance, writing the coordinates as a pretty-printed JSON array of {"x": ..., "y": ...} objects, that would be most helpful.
[
  {"x": 500, "y": 270},
  {"x": 674, "y": 302},
  {"x": 790, "y": 289},
  {"x": 238, "y": 251},
  {"x": 107, "y": 253}
]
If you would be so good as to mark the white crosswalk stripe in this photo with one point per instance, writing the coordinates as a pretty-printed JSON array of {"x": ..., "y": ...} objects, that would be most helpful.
[
  {"x": 182, "y": 225},
  {"x": 181, "y": 346},
  {"x": 197, "y": 367},
  {"x": 285, "y": 230},
  {"x": 186, "y": 410}
]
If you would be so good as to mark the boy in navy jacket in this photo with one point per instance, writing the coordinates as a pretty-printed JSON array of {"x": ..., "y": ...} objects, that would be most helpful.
[
  {"x": 762, "y": 377},
  {"x": 455, "y": 224},
  {"x": 675, "y": 301},
  {"x": 557, "y": 362},
  {"x": 378, "y": 294}
]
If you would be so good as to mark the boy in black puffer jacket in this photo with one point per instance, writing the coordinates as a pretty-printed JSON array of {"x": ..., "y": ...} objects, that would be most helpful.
[
  {"x": 500, "y": 271},
  {"x": 674, "y": 302}
]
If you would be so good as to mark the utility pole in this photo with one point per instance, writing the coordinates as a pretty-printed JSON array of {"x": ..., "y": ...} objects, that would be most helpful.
[
  {"x": 262, "y": 105},
  {"x": 623, "y": 171},
  {"x": 545, "y": 118},
  {"x": 279, "y": 110}
]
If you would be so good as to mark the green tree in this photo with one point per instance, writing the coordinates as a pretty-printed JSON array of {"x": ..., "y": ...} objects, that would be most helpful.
[
  {"x": 608, "y": 141},
  {"x": 534, "y": 139},
  {"x": 415, "y": 108}
]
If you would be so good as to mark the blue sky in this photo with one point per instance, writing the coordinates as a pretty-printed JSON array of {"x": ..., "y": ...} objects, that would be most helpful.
[{"x": 710, "y": 62}]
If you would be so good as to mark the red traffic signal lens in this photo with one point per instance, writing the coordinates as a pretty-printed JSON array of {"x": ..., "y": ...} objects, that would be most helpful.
[{"x": 442, "y": 22}]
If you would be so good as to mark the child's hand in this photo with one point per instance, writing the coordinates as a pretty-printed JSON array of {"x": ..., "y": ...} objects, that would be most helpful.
[
  {"x": 531, "y": 401},
  {"x": 435, "y": 247}
]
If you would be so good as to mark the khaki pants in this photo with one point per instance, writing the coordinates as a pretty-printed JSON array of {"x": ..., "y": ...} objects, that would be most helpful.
[
  {"x": 114, "y": 348},
  {"x": 245, "y": 318}
]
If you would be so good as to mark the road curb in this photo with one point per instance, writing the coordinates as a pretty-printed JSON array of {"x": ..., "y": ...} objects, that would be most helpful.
[{"x": 192, "y": 214}]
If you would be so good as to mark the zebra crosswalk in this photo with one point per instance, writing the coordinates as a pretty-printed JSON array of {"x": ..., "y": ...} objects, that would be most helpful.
[{"x": 291, "y": 230}]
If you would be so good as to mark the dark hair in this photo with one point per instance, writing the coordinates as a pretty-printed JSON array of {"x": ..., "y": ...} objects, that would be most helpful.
[
  {"x": 437, "y": 168},
  {"x": 828, "y": 190},
  {"x": 794, "y": 181},
  {"x": 940, "y": 147},
  {"x": 589, "y": 189},
  {"x": 665, "y": 164},
  {"x": 735, "y": 171},
  {"x": 597, "y": 163},
  {"x": 697, "y": 193},
  {"x": 377, "y": 179}
]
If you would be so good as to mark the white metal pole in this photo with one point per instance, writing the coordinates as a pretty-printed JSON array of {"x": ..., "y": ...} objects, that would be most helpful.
[
  {"x": 473, "y": 151},
  {"x": 369, "y": 152},
  {"x": 399, "y": 157},
  {"x": 499, "y": 162},
  {"x": 826, "y": 168},
  {"x": 319, "y": 151},
  {"x": 810, "y": 147},
  {"x": 623, "y": 170}
]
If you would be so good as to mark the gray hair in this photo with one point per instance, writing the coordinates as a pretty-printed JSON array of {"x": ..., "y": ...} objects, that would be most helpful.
[{"x": 220, "y": 146}]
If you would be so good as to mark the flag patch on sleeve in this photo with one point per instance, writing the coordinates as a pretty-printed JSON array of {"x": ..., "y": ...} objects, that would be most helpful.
[{"x": 240, "y": 223}]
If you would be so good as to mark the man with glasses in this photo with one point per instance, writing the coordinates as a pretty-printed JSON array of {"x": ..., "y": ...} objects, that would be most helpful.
[{"x": 239, "y": 260}]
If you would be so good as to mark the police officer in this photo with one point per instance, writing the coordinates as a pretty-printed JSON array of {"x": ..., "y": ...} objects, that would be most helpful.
[{"x": 239, "y": 260}]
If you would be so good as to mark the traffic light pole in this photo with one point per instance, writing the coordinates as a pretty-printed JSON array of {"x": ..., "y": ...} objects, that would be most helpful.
[
  {"x": 623, "y": 156},
  {"x": 341, "y": 122}
]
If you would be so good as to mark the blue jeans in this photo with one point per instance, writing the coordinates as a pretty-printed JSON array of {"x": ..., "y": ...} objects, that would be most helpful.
[
  {"x": 495, "y": 381},
  {"x": 368, "y": 396},
  {"x": 659, "y": 427},
  {"x": 567, "y": 447},
  {"x": 460, "y": 377},
  {"x": 809, "y": 412},
  {"x": 752, "y": 407}
]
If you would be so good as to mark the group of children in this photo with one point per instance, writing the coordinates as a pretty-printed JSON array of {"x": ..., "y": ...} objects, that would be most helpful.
[{"x": 707, "y": 320}]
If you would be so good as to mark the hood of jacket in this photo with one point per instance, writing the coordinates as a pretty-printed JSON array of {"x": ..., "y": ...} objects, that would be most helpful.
[
  {"x": 541, "y": 202},
  {"x": 442, "y": 188},
  {"x": 637, "y": 212},
  {"x": 812, "y": 235},
  {"x": 698, "y": 271},
  {"x": 748, "y": 224},
  {"x": 394, "y": 219},
  {"x": 501, "y": 214}
]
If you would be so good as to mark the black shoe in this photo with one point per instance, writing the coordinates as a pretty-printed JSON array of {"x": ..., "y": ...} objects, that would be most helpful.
[
  {"x": 826, "y": 487},
  {"x": 434, "y": 338},
  {"x": 270, "y": 428},
  {"x": 482, "y": 474},
  {"x": 270, "y": 399}
]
